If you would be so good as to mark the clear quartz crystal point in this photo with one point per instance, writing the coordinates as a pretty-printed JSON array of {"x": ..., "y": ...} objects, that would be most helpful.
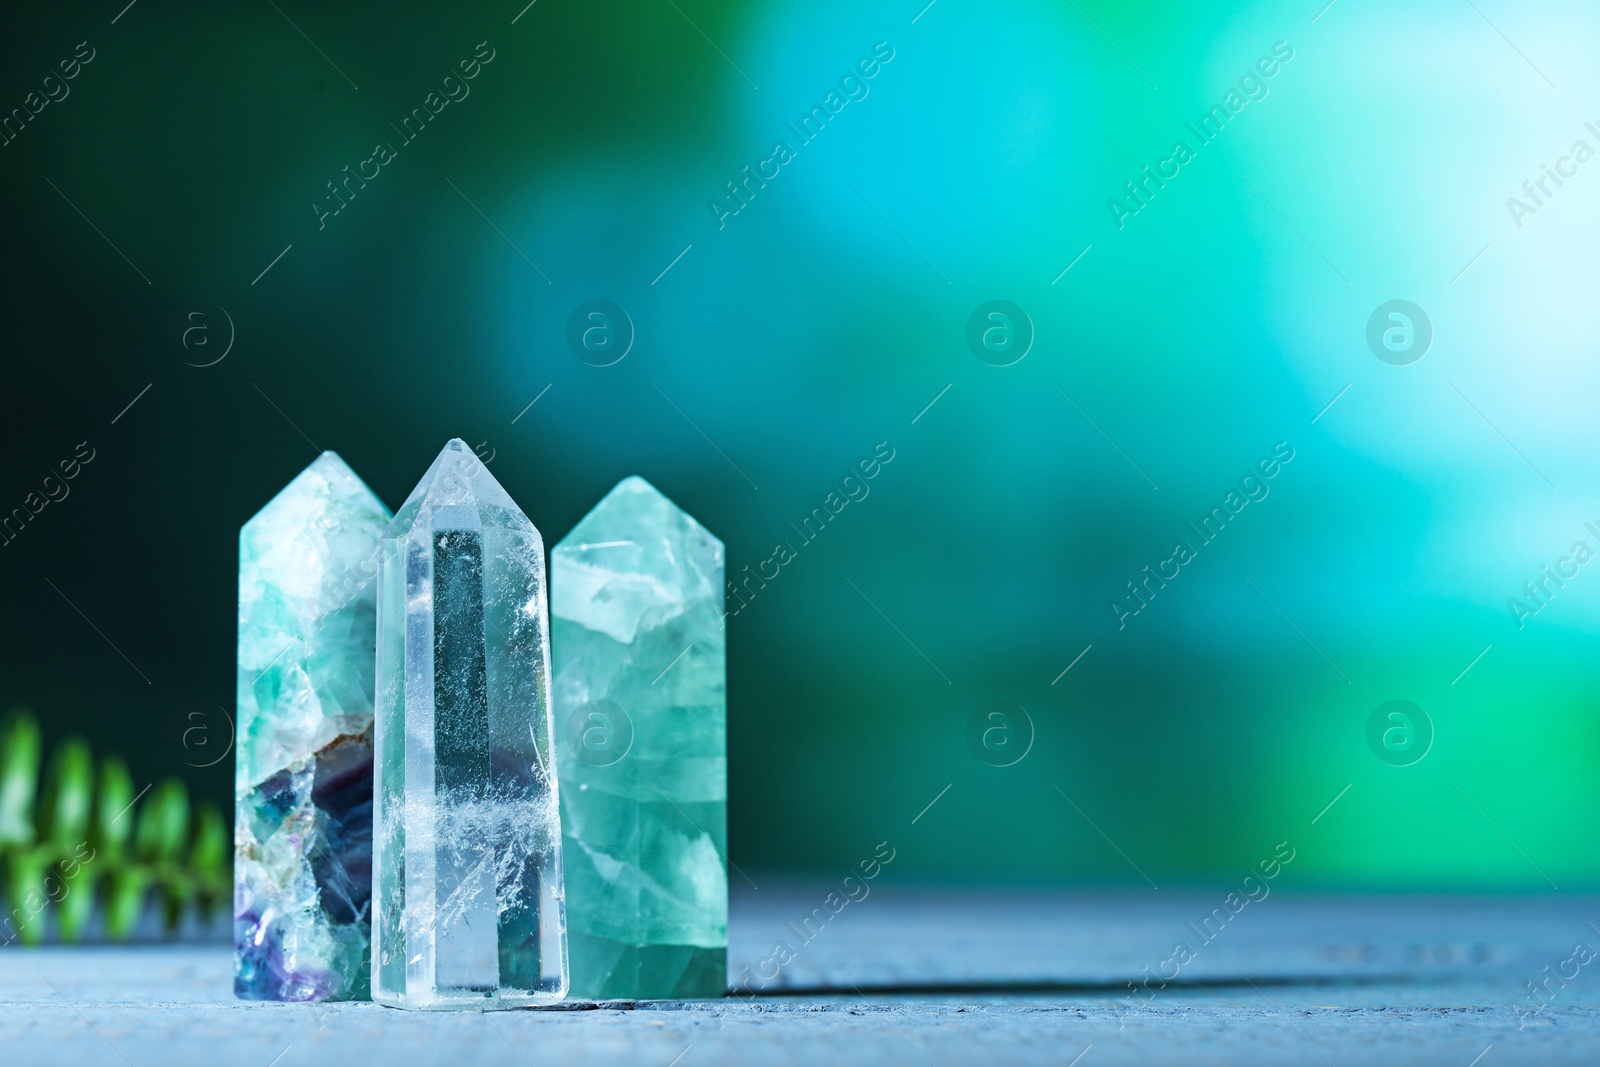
[
  {"x": 468, "y": 905},
  {"x": 641, "y": 715},
  {"x": 303, "y": 765}
]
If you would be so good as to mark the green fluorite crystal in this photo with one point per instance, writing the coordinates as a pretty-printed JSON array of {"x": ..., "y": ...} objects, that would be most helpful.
[
  {"x": 303, "y": 772},
  {"x": 641, "y": 718}
]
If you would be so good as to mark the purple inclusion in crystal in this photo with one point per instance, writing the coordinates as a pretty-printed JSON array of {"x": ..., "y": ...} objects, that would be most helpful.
[
  {"x": 343, "y": 797},
  {"x": 327, "y": 810}
]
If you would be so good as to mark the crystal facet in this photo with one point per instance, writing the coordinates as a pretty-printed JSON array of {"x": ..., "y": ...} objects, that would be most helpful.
[
  {"x": 467, "y": 890},
  {"x": 303, "y": 765},
  {"x": 641, "y": 706}
]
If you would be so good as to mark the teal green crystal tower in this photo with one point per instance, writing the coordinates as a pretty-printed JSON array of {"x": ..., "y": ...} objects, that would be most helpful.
[
  {"x": 467, "y": 888},
  {"x": 303, "y": 765},
  {"x": 641, "y": 713}
]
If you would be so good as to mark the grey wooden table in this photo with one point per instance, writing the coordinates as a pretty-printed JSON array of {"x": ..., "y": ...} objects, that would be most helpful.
[{"x": 921, "y": 977}]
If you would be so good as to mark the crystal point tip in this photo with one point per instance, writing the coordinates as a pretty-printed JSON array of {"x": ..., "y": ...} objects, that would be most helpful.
[{"x": 457, "y": 483}]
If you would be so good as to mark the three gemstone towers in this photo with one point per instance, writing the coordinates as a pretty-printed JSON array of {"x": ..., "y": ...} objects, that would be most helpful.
[{"x": 399, "y": 830}]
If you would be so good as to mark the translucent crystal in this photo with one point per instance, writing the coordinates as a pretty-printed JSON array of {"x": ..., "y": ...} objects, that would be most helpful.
[
  {"x": 641, "y": 713},
  {"x": 467, "y": 891},
  {"x": 303, "y": 764}
]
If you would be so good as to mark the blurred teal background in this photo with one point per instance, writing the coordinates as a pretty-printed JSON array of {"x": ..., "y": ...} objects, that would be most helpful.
[{"x": 774, "y": 352}]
